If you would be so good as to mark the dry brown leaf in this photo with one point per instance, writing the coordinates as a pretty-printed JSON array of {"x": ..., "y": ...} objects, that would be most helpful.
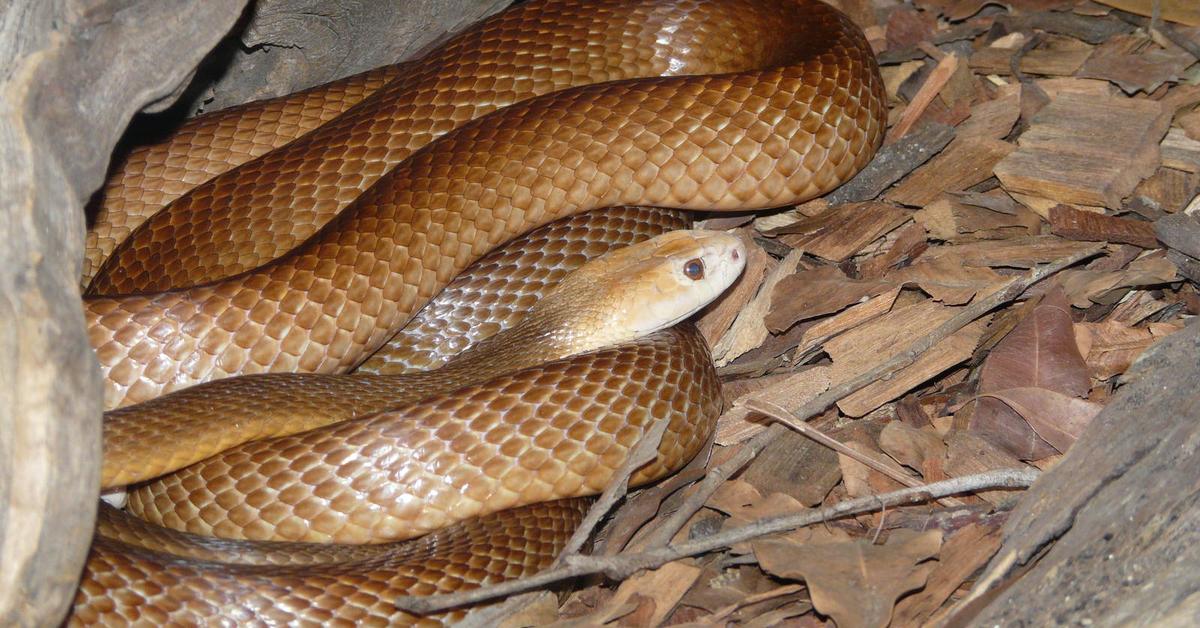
[
  {"x": 744, "y": 503},
  {"x": 1039, "y": 352},
  {"x": 1057, "y": 418},
  {"x": 856, "y": 476},
  {"x": 948, "y": 280},
  {"x": 1083, "y": 287},
  {"x": 964, "y": 552},
  {"x": 659, "y": 589},
  {"x": 915, "y": 448},
  {"x": 856, "y": 583}
]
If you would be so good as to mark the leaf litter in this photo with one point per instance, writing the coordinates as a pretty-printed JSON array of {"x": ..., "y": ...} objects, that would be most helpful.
[{"x": 964, "y": 306}]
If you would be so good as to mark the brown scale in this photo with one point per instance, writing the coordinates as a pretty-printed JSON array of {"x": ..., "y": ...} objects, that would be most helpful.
[
  {"x": 796, "y": 128},
  {"x": 150, "y": 176}
]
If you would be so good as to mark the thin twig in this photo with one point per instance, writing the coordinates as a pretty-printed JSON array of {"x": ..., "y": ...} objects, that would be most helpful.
[
  {"x": 621, "y": 566},
  {"x": 719, "y": 474},
  {"x": 642, "y": 454},
  {"x": 779, "y": 413}
]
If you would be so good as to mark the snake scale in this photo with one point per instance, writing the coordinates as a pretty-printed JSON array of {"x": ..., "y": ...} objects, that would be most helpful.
[{"x": 548, "y": 110}]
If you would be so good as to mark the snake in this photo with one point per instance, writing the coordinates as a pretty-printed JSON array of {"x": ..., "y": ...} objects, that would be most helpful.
[
  {"x": 700, "y": 105},
  {"x": 129, "y": 575}
]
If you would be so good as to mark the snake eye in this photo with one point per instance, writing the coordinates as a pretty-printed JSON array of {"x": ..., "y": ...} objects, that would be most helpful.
[{"x": 694, "y": 269}]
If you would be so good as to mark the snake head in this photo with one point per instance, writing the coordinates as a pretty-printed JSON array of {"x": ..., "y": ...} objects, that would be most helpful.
[{"x": 649, "y": 286}]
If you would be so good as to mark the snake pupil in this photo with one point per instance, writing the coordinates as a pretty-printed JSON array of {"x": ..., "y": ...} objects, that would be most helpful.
[{"x": 694, "y": 269}]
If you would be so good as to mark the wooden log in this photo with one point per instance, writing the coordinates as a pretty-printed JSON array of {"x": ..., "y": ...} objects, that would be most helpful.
[
  {"x": 290, "y": 45},
  {"x": 71, "y": 76},
  {"x": 1120, "y": 509}
]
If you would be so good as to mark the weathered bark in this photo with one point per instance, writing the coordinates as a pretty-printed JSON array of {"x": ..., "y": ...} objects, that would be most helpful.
[
  {"x": 72, "y": 74},
  {"x": 289, "y": 45},
  {"x": 1118, "y": 520}
]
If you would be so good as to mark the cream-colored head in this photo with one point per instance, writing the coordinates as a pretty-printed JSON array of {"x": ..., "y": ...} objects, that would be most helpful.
[{"x": 640, "y": 289}]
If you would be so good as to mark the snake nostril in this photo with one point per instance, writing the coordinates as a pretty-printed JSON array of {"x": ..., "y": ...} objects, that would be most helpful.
[{"x": 735, "y": 255}]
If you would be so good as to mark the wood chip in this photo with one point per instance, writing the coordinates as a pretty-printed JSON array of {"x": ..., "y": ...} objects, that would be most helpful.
[
  {"x": 816, "y": 292},
  {"x": 1060, "y": 56},
  {"x": 1136, "y": 64},
  {"x": 859, "y": 349},
  {"x": 748, "y": 330},
  {"x": 964, "y": 163},
  {"x": 719, "y": 316},
  {"x": 1180, "y": 151},
  {"x": 994, "y": 118},
  {"x": 892, "y": 162},
  {"x": 793, "y": 389},
  {"x": 844, "y": 231},
  {"x": 1182, "y": 11},
  {"x": 1074, "y": 224},
  {"x": 1086, "y": 150}
]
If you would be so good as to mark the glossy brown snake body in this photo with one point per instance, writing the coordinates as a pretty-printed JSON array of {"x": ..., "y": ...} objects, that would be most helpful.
[{"x": 760, "y": 104}]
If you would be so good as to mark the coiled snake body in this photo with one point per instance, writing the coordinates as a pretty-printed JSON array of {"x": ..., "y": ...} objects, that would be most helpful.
[{"x": 760, "y": 104}]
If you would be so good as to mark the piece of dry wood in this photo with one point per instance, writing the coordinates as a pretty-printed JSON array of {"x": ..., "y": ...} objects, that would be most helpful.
[
  {"x": 968, "y": 454},
  {"x": 859, "y": 348},
  {"x": 1086, "y": 150},
  {"x": 748, "y": 330},
  {"x": 1059, "y": 56},
  {"x": 964, "y": 163},
  {"x": 947, "y": 280},
  {"x": 1168, "y": 190},
  {"x": 843, "y": 231},
  {"x": 72, "y": 74},
  {"x": 289, "y": 45},
  {"x": 733, "y": 426},
  {"x": 1180, "y": 151},
  {"x": 1012, "y": 253},
  {"x": 1182, "y": 11},
  {"x": 892, "y": 162},
  {"x": 717, "y": 318},
  {"x": 929, "y": 90},
  {"x": 951, "y": 220},
  {"x": 817, "y": 292},
  {"x": 1074, "y": 224},
  {"x": 797, "y": 466},
  {"x": 994, "y": 118},
  {"x": 1136, "y": 64}
]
